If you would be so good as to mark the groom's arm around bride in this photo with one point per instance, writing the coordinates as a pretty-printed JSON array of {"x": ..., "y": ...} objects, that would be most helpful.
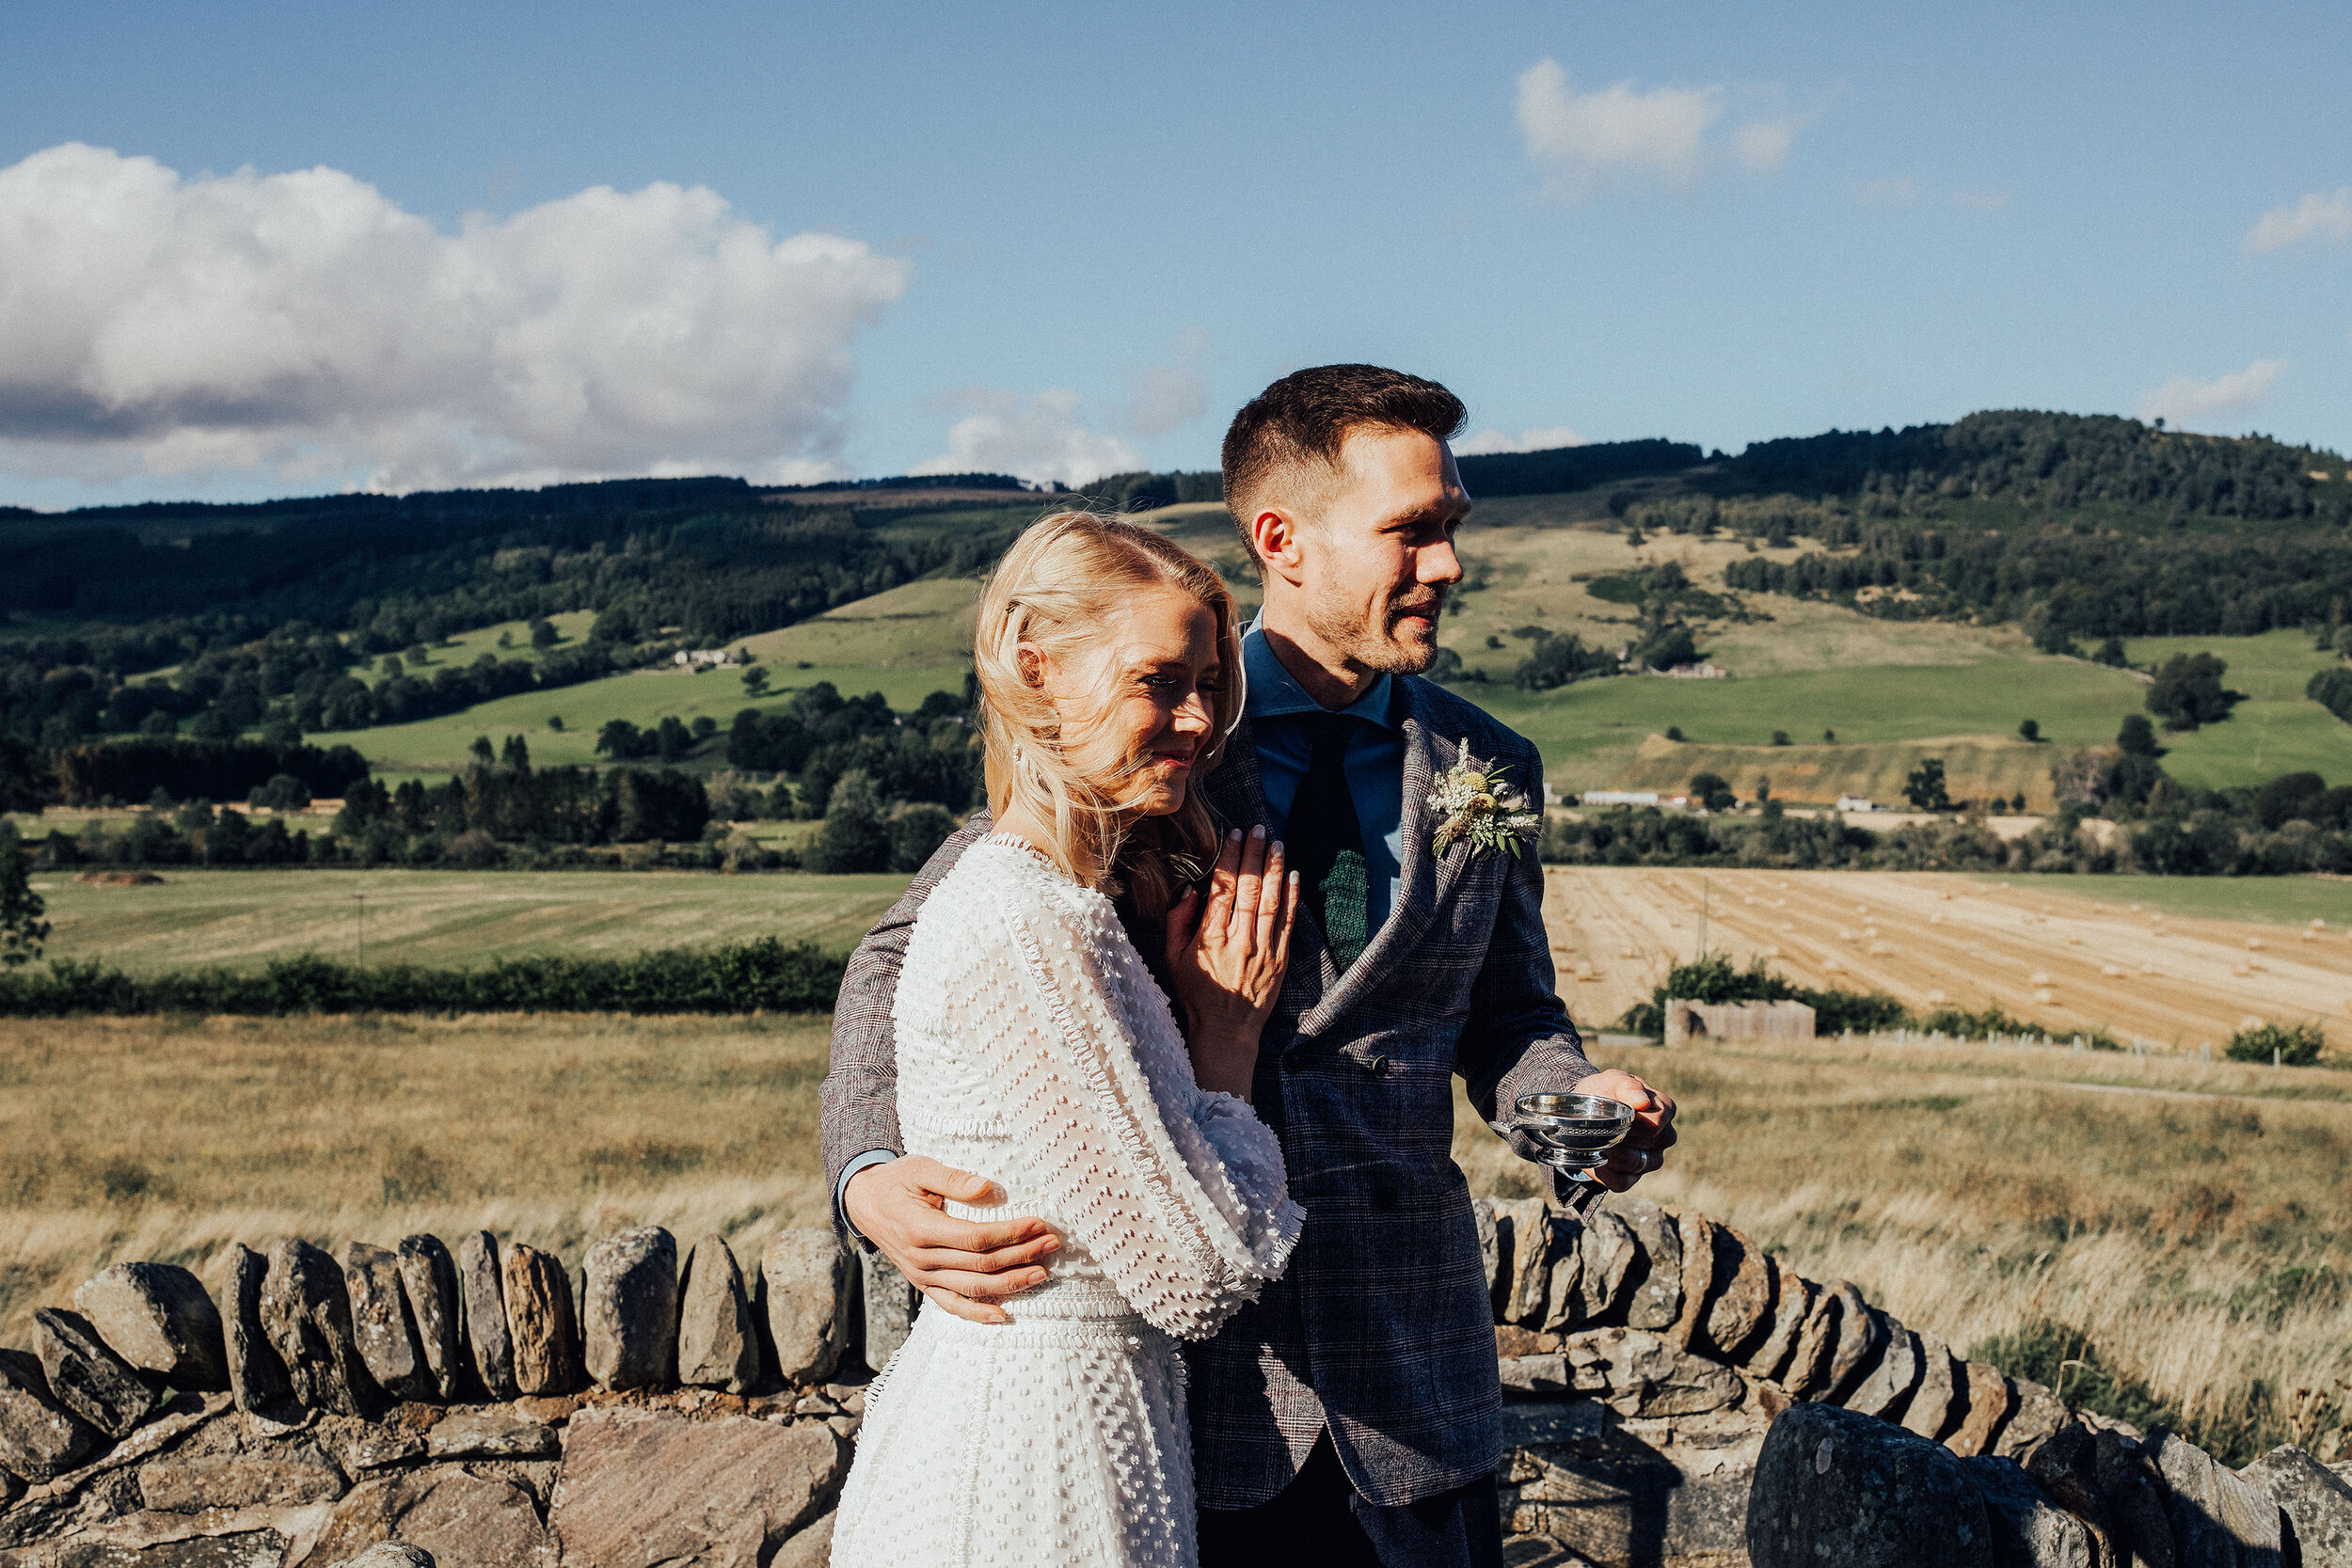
[{"x": 1355, "y": 1407}]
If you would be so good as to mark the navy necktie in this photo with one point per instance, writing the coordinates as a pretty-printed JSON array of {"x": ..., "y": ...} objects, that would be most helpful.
[{"x": 1326, "y": 843}]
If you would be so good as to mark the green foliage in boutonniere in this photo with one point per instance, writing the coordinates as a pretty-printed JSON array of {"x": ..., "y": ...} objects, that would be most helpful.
[{"x": 1472, "y": 802}]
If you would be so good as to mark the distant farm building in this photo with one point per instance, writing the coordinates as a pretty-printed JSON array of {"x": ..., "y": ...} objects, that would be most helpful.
[
  {"x": 1738, "y": 1020},
  {"x": 1695, "y": 672},
  {"x": 1619, "y": 798},
  {"x": 690, "y": 657},
  {"x": 1855, "y": 802}
]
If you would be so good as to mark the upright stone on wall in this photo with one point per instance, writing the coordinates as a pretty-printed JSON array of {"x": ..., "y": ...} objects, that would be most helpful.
[
  {"x": 2215, "y": 1516},
  {"x": 890, "y": 1306},
  {"x": 807, "y": 1292},
  {"x": 88, "y": 1378},
  {"x": 2037, "y": 1413},
  {"x": 1886, "y": 1390},
  {"x": 1523, "y": 1233},
  {"x": 2314, "y": 1497},
  {"x": 1698, "y": 1276},
  {"x": 482, "y": 1303},
  {"x": 428, "y": 1278},
  {"x": 257, "y": 1378},
  {"x": 718, "y": 1343},
  {"x": 1656, "y": 1300},
  {"x": 308, "y": 1318},
  {"x": 1794, "y": 1297},
  {"x": 629, "y": 1313},
  {"x": 1742, "y": 1304},
  {"x": 1929, "y": 1414},
  {"x": 1606, "y": 1252},
  {"x": 380, "y": 1323},
  {"x": 1989, "y": 1400},
  {"x": 1861, "y": 1335},
  {"x": 540, "y": 1320},
  {"x": 157, "y": 1318}
]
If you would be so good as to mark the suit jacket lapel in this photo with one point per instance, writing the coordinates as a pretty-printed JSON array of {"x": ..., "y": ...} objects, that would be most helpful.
[
  {"x": 1236, "y": 797},
  {"x": 1422, "y": 887}
]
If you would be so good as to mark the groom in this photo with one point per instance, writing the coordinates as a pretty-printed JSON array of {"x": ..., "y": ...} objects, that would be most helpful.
[{"x": 1352, "y": 1415}]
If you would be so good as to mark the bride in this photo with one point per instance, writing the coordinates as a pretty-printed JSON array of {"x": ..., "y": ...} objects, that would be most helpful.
[{"x": 1034, "y": 1045}]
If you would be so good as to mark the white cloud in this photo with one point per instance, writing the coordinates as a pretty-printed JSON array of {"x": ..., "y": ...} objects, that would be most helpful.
[
  {"x": 1886, "y": 193},
  {"x": 2189, "y": 402},
  {"x": 1166, "y": 397},
  {"x": 1488, "y": 441},
  {"x": 1762, "y": 146},
  {"x": 301, "y": 322},
  {"x": 2327, "y": 218},
  {"x": 1983, "y": 201},
  {"x": 1036, "y": 437},
  {"x": 1622, "y": 135}
]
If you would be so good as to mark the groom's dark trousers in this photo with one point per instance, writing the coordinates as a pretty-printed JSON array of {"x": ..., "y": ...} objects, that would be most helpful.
[{"x": 1319, "y": 1519}]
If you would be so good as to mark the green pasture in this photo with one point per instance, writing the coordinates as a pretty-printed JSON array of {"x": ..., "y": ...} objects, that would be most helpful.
[
  {"x": 1894, "y": 691},
  {"x": 571, "y": 628},
  {"x": 243, "y": 919},
  {"x": 431, "y": 748},
  {"x": 2273, "y": 901},
  {"x": 1589, "y": 732},
  {"x": 2276, "y": 730}
]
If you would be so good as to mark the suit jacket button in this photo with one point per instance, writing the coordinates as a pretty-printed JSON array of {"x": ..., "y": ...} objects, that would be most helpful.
[
  {"x": 1378, "y": 1066},
  {"x": 1295, "y": 1057}
]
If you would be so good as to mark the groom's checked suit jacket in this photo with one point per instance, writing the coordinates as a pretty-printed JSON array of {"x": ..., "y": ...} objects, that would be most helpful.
[{"x": 1382, "y": 1329}]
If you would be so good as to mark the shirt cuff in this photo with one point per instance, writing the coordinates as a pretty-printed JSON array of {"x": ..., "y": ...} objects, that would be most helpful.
[{"x": 840, "y": 1214}]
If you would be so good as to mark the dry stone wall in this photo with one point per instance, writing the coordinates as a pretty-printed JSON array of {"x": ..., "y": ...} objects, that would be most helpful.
[{"x": 1674, "y": 1396}]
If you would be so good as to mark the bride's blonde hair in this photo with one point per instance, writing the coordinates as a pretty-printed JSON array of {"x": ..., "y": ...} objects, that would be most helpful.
[{"x": 1053, "y": 593}]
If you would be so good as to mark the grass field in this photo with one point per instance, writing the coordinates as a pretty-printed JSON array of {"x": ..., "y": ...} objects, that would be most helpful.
[
  {"x": 2276, "y": 730},
  {"x": 242, "y": 919},
  {"x": 553, "y": 1130},
  {"x": 1967, "y": 1191}
]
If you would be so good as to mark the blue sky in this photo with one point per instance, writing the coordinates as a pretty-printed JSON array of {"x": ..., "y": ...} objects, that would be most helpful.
[{"x": 1068, "y": 236}]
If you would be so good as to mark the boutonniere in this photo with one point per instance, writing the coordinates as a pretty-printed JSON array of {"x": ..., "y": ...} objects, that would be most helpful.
[{"x": 1472, "y": 802}]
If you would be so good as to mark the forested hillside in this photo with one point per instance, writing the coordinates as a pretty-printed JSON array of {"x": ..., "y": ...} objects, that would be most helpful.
[{"x": 292, "y": 617}]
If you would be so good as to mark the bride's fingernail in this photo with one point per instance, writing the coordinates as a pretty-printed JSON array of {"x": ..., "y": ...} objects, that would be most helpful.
[
  {"x": 1258, "y": 831},
  {"x": 1234, "y": 837}
]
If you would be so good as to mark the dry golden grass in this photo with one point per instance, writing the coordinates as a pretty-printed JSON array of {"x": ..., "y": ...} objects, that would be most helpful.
[
  {"x": 1971, "y": 1191},
  {"x": 163, "y": 1139},
  {"x": 2187, "y": 1220}
]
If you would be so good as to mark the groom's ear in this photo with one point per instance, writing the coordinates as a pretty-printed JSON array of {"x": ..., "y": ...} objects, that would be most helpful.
[{"x": 1274, "y": 532}]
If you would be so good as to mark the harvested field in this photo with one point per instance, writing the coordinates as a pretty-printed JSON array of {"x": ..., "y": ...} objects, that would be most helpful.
[
  {"x": 243, "y": 919},
  {"x": 2062, "y": 960}
]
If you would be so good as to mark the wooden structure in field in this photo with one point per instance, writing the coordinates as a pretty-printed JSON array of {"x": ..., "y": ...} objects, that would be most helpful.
[{"x": 1738, "y": 1020}]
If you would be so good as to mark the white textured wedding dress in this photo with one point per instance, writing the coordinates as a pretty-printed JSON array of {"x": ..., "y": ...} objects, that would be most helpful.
[{"x": 1035, "y": 1049}]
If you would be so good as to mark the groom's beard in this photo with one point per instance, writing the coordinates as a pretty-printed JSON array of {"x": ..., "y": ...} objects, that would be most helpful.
[{"x": 1377, "y": 645}]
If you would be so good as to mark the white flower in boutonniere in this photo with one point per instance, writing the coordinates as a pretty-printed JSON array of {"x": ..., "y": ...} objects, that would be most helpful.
[{"x": 1472, "y": 802}]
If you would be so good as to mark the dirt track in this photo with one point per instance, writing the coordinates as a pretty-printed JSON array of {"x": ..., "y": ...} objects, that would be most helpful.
[{"x": 2062, "y": 961}]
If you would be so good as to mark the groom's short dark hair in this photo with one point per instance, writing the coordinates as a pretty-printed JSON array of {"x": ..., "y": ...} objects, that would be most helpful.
[{"x": 1306, "y": 417}]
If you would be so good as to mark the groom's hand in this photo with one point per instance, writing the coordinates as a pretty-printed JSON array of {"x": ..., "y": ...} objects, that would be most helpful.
[
  {"x": 1644, "y": 1149},
  {"x": 965, "y": 1268}
]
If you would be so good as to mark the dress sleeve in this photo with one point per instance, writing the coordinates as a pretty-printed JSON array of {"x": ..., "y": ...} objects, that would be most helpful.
[
  {"x": 1250, "y": 1159},
  {"x": 1188, "y": 1239}
]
